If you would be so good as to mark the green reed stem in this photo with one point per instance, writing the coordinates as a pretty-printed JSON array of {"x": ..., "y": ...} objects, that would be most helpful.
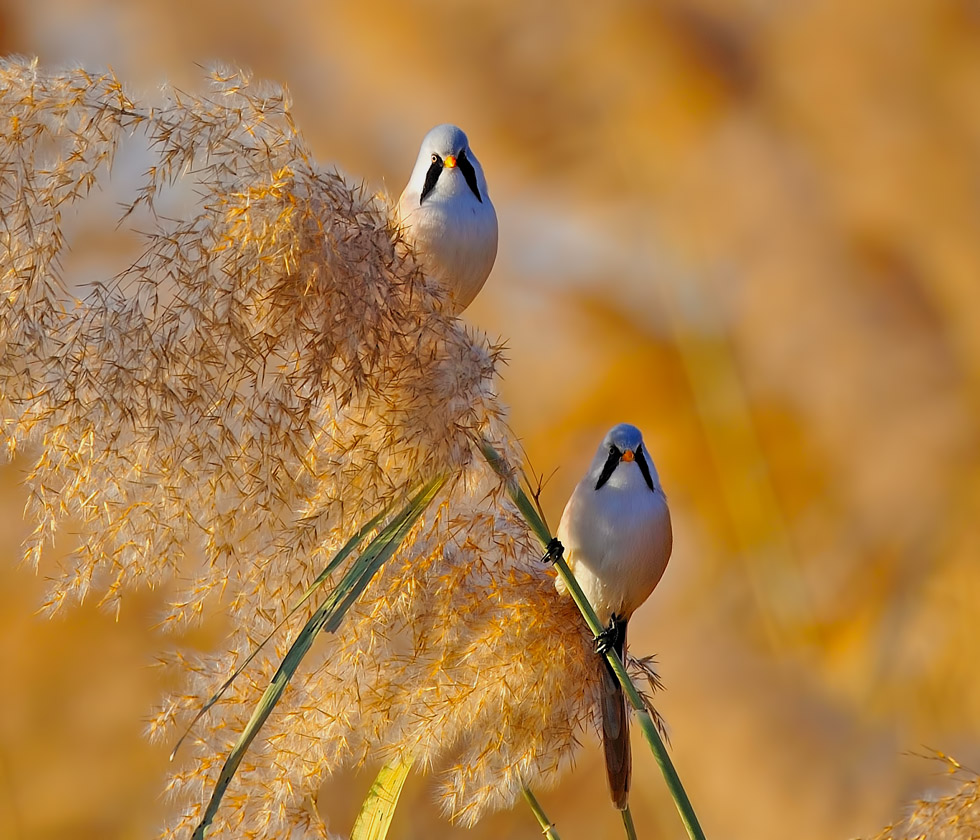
[
  {"x": 628, "y": 823},
  {"x": 555, "y": 553},
  {"x": 547, "y": 827}
]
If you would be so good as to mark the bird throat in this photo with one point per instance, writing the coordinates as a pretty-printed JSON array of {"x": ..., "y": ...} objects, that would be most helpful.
[
  {"x": 615, "y": 459},
  {"x": 436, "y": 169}
]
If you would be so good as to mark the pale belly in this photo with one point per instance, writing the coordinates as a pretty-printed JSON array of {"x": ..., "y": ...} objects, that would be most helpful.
[
  {"x": 617, "y": 545},
  {"x": 458, "y": 248}
]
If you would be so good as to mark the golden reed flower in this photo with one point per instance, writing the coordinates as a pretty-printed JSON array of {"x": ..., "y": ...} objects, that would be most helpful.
[
  {"x": 267, "y": 376},
  {"x": 955, "y": 816}
]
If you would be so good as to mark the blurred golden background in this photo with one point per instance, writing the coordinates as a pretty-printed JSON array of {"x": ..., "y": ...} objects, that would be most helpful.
[{"x": 750, "y": 228}]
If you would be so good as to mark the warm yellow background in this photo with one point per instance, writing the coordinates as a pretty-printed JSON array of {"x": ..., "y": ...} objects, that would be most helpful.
[{"x": 752, "y": 229}]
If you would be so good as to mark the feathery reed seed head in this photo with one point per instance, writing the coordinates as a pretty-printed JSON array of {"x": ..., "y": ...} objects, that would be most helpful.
[
  {"x": 952, "y": 817},
  {"x": 268, "y": 375}
]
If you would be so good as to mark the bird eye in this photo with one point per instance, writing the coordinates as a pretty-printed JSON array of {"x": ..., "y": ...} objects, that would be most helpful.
[{"x": 435, "y": 158}]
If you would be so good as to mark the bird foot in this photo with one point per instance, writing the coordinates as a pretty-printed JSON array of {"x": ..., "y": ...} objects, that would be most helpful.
[
  {"x": 553, "y": 551},
  {"x": 606, "y": 640}
]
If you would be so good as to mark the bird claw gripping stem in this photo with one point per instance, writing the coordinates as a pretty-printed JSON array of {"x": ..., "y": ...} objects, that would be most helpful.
[
  {"x": 606, "y": 640},
  {"x": 553, "y": 551}
]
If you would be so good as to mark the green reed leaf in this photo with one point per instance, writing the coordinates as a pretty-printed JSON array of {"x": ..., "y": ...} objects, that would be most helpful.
[
  {"x": 379, "y": 805},
  {"x": 327, "y": 617}
]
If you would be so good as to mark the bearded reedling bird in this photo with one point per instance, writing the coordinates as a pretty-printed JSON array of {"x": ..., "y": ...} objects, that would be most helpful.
[
  {"x": 617, "y": 538},
  {"x": 447, "y": 216}
]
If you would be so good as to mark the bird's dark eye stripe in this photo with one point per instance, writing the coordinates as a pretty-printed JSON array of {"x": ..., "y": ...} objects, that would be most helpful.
[
  {"x": 641, "y": 459},
  {"x": 609, "y": 467},
  {"x": 435, "y": 169},
  {"x": 469, "y": 173}
]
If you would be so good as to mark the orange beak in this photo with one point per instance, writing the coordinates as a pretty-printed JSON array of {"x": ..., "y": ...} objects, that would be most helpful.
[
  {"x": 628, "y": 455},
  {"x": 450, "y": 161}
]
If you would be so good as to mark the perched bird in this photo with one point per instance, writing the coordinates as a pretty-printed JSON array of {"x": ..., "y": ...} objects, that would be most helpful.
[
  {"x": 447, "y": 216},
  {"x": 617, "y": 538}
]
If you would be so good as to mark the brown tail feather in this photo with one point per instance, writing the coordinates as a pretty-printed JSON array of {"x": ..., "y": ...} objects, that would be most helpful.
[{"x": 615, "y": 730}]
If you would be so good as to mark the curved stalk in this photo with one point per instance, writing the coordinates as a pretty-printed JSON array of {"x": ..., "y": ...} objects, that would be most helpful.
[{"x": 555, "y": 552}]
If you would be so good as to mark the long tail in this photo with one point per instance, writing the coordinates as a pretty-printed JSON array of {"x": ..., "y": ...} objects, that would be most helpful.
[{"x": 615, "y": 728}]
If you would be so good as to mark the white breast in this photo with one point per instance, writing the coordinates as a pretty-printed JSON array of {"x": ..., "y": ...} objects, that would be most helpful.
[
  {"x": 454, "y": 236},
  {"x": 617, "y": 541}
]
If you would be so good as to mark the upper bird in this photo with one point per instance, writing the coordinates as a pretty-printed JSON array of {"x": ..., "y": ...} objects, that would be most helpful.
[
  {"x": 617, "y": 537},
  {"x": 447, "y": 216}
]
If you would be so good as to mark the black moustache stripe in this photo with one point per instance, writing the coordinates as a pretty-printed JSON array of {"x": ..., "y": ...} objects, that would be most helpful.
[
  {"x": 644, "y": 467},
  {"x": 609, "y": 467},
  {"x": 435, "y": 169},
  {"x": 469, "y": 173}
]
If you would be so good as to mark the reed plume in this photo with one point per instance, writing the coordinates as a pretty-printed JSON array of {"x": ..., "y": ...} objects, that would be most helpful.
[
  {"x": 955, "y": 816},
  {"x": 270, "y": 373}
]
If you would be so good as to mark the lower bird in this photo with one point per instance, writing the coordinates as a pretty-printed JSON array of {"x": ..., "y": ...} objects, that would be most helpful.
[
  {"x": 446, "y": 215},
  {"x": 616, "y": 533}
]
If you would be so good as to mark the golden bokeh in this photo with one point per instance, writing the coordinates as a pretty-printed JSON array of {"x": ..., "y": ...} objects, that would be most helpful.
[{"x": 751, "y": 229}]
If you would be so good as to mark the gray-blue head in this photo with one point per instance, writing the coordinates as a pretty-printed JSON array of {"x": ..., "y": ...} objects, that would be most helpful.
[
  {"x": 444, "y": 149},
  {"x": 623, "y": 444}
]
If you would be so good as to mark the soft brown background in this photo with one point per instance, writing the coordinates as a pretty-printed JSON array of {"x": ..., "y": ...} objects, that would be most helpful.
[{"x": 752, "y": 229}]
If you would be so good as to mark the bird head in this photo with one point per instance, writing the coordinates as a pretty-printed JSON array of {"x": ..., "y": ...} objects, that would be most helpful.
[
  {"x": 622, "y": 448},
  {"x": 446, "y": 166}
]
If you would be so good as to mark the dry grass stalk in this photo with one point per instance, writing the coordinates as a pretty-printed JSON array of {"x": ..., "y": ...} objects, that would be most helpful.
[{"x": 226, "y": 413}]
